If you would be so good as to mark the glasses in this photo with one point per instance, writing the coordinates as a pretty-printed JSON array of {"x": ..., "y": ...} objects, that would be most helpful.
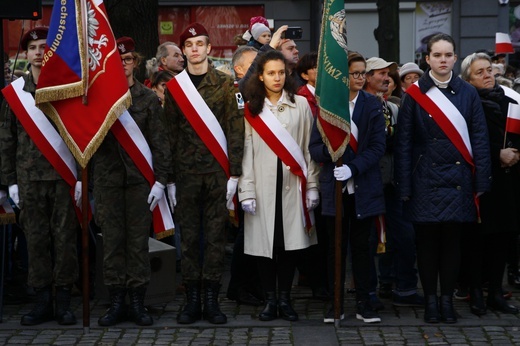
[
  {"x": 357, "y": 75},
  {"x": 127, "y": 61}
]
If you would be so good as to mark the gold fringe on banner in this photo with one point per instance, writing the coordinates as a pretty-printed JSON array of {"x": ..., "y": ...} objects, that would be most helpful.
[
  {"x": 7, "y": 218},
  {"x": 84, "y": 157},
  {"x": 164, "y": 234}
]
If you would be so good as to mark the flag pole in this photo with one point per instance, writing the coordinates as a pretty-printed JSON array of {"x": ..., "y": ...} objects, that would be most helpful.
[
  {"x": 337, "y": 249},
  {"x": 85, "y": 249}
]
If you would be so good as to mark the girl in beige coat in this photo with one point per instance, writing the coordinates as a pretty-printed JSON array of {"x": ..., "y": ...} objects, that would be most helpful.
[{"x": 278, "y": 206}]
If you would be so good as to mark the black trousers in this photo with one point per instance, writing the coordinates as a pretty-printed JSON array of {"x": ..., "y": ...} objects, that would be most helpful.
[
  {"x": 354, "y": 233},
  {"x": 438, "y": 255}
]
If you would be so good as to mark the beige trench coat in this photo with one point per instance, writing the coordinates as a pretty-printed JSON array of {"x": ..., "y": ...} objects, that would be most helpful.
[{"x": 258, "y": 181}]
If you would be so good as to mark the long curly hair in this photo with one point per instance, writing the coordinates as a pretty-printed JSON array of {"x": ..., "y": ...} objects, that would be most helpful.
[{"x": 255, "y": 92}]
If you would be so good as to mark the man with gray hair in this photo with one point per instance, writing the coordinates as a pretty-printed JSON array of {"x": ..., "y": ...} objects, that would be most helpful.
[
  {"x": 242, "y": 59},
  {"x": 168, "y": 57}
]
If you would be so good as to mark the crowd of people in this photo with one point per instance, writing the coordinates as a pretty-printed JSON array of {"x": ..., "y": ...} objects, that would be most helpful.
[{"x": 430, "y": 156}]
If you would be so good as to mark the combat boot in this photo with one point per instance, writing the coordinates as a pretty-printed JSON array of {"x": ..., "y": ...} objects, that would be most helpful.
[
  {"x": 42, "y": 311},
  {"x": 137, "y": 313},
  {"x": 212, "y": 311},
  {"x": 64, "y": 314},
  {"x": 192, "y": 310},
  {"x": 117, "y": 310}
]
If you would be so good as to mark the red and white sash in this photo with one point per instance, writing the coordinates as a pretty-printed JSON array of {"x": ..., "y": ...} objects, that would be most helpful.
[
  {"x": 202, "y": 119},
  {"x": 447, "y": 116},
  {"x": 285, "y": 147},
  {"x": 449, "y": 119},
  {"x": 132, "y": 140},
  {"x": 354, "y": 132},
  {"x": 42, "y": 133}
]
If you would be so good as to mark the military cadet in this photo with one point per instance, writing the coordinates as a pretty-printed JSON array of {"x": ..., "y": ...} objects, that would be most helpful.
[
  {"x": 47, "y": 214},
  {"x": 207, "y": 139},
  {"x": 122, "y": 196}
]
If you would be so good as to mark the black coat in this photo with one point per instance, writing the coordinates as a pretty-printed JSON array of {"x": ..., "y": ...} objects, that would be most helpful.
[
  {"x": 500, "y": 208},
  {"x": 368, "y": 184},
  {"x": 429, "y": 169}
]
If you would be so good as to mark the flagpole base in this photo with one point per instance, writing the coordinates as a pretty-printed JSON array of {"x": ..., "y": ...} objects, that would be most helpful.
[{"x": 337, "y": 322}]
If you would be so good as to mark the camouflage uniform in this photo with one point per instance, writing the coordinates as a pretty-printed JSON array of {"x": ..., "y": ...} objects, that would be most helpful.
[
  {"x": 47, "y": 213},
  {"x": 200, "y": 180},
  {"x": 121, "y": 193}
]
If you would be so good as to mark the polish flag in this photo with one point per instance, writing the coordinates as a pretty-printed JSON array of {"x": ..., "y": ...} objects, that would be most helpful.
[
  {"x": 513, "y": 119},
  {"x": 503, "y": 44}
]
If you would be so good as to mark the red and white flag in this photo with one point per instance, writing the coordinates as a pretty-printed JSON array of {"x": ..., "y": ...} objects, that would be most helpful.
[
  {"x": 513, "y": 119},
  {"x": 81, "y": 45},
  {"x": 503, "y": 43}
]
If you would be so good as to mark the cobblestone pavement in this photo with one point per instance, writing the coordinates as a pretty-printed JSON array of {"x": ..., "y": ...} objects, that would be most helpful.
[{"x": 399, "y": 326}]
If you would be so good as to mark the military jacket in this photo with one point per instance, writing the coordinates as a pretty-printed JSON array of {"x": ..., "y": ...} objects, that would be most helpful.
[
  {"x": 21, "y": 161},
  {"x": 191, "y": 156},
  {"x": 112, "y": 166}
]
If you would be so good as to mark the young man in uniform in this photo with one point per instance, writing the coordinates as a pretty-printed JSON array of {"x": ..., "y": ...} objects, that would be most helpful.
[
  {"x": 207, "y": 139},
  {"x": 47, "y": 214}
]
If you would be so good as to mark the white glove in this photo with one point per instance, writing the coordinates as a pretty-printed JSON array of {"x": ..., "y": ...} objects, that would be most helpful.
[
  {"x": 249, "y": 205},
  {"x": 232, "y": 184},
  {"x": 77, "y": 194},
  {"x": 155, "y": 195},
  {"x": 313, "y": 199},
  {"x": 3, "y": 196},
  {"x": 13, "y": 193},
  {"x": 342, "y": 173},
  {"x": 172, "y": 190}
]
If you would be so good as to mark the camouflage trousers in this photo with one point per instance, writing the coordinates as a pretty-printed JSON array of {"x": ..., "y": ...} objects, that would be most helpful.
[
  {"x": 51, "y": 227},
  {"x": 124, "y": 217},
  {"x": 202, "y": 214}
]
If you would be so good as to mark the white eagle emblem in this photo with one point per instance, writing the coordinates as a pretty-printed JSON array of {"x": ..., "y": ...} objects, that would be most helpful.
[
  {"x": 193, "y": 32},
  {"x": 94, "y": 43}
]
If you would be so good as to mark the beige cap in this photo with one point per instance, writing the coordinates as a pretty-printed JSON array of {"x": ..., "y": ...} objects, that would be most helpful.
[{"x": 378, "y": 64}]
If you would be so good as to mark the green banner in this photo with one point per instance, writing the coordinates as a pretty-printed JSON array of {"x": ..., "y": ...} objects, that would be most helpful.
[{"x": 332, "y": 84}]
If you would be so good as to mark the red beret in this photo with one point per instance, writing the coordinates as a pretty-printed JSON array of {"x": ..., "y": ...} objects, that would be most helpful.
[
  {"x": 125, "y": 45},
  {"x": 38, "y": 33},
  {"x": 193, "y": 30}
]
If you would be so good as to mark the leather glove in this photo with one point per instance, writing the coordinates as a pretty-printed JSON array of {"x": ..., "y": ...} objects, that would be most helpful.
[
  {"x": 155, "y": 195},
  {"x": 313, "y": 199},
  {"x": 249, "y": 206},
  {"x": 342, "y": 173},
  {"x": 172, "y": 190},
  {"x": 3, "y": 196},
  {"x": 232, "y": 184},
  {"x": 13, "y": 193},
  {"x": 77, "y": 194}
]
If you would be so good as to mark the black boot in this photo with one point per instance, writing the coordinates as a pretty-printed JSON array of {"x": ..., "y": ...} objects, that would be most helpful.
[
  {"x": 431, "y": 309},
  {"x": 496, "y": 301},
  {"x": 448, "y": 314},
  {"x": 137, "y": 313},
  {"x": 285, "y": 309},
  {"x": 192, "y": 310},
  {"x": 212, "y": 311},
  {"x": 476, "y": 302},
  {"x": 117, "y": 309},
  {"x": 269, "y": 312},
  {"x": 64, "y": 314},
  {"x": 42, "y": 311}
]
